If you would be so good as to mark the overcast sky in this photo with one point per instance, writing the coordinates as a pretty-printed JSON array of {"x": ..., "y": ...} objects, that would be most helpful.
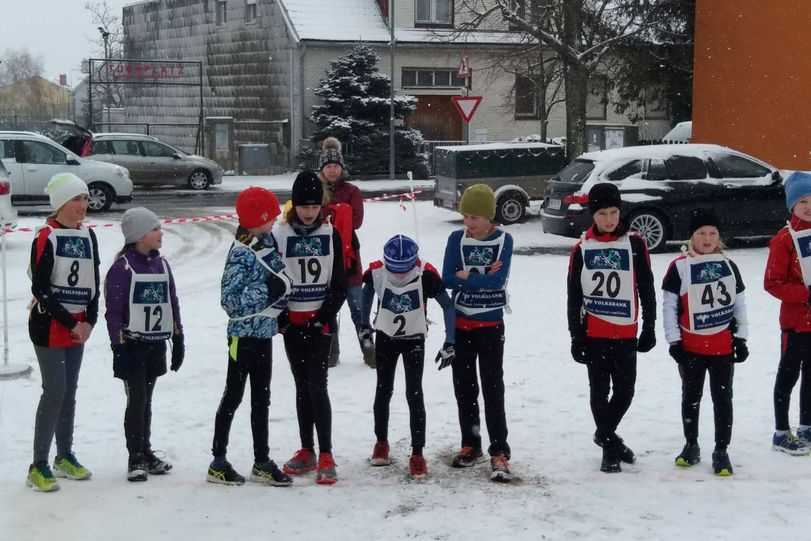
[{"x": 60, "y": 32}]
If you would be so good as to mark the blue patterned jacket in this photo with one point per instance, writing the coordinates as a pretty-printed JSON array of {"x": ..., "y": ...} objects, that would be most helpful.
[{"x": 244, "y": 291}]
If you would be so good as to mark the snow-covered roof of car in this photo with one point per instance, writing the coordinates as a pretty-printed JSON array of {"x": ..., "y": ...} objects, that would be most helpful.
[
  {"x": 652, "y": 151},
  {"x": 123, "y": 134}
]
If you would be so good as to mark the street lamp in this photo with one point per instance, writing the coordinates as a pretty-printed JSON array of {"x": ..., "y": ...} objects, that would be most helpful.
[{"x": 105, "y": 35}]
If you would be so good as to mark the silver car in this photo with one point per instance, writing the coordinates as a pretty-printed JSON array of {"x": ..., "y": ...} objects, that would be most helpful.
[
  {"x": 32, "y": 159},
  {"x": 151, "y": 162}
]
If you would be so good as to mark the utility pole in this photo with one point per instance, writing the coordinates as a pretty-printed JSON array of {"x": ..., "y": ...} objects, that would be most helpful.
[
  {"x": 391, "y": 95},
  {"x": 105, "y": 35}
]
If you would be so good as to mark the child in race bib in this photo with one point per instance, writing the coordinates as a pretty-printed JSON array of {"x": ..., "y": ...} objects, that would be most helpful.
[
  {"x": 704, "y": 314},
  {"x": 788, "y": 277},
  {"x": 402, "y": 284},
  {"x": 609, "y": 280},
  {"x": 142, "y": 313}
]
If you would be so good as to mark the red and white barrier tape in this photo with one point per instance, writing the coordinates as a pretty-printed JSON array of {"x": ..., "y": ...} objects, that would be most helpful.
[{"x": 218, "y": 217}]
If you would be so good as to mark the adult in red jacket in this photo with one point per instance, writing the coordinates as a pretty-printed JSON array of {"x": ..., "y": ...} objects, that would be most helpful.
[
  {"x": 788, "y": 277},
  {"x": 337, "y": 190}
]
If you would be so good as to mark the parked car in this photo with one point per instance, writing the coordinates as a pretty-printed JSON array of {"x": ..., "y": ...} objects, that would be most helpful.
[
  {"x": 661, "y": 185},
  {"x": 32, "y": 159},
  {"x": 150, "y": 161},
  {"x": 517, "y": 172},
  {"x": 8, "y": 215}
]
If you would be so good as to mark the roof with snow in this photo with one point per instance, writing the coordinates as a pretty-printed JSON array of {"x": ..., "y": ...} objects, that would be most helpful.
[{"x": 361, "y": 20}]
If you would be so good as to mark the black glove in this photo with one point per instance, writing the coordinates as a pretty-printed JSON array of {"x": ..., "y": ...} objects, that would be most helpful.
[
  {"x": 676, "y": 351},
  {"x": 579, "y": 349},
  {"x": 313, "y": 328},
  {"x": 365, "y": 335},
  {"x": 647, "y": 339},
  {"x": 276, "y": 288},
  {"x": 178, "y": 352},
  {"x": 121, "y": 361},
  {"x": 739, "y": 350},
  {"x": 283, "y": 321},
  {"x": 446, "y": 355}
]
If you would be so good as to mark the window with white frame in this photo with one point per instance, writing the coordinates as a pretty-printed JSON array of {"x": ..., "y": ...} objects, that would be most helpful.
[
  {"x": 222, "y": 12},
  {"x": 250, "y": 11},
  {"x": 655, "y": 104},
  {"x": 433, "y": 12},
  {"x": 431, "y": 78},
  {"x": 526, "y": 97}
]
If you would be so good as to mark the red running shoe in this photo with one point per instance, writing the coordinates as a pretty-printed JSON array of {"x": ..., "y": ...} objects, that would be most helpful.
[
  {"x": 325, "y": 475},
  {"x": 302, "y": 462},
  {"x": 418, "y": 468},
  {"x": 380, "y": 454}
]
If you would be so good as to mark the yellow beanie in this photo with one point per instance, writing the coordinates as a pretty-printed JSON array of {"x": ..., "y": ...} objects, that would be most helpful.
[{"x": 479, "y": 200}]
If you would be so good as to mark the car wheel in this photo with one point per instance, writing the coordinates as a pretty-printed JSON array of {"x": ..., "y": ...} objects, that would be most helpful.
[
  {"x": 652, "y": 227},
  {"x": 101, "y": 197},
  {"x": 511, "y": 208},
  {"x": 199, "y": 180}
]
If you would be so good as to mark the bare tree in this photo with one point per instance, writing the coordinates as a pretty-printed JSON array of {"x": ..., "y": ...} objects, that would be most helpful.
[
  {"x": 111, "y": 31},
  {"x": 581, "y": 33},
  {"x": 18, "y": 65}
]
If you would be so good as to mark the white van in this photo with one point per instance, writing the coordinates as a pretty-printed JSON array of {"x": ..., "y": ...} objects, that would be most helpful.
[{"x": 681, "y": 133}]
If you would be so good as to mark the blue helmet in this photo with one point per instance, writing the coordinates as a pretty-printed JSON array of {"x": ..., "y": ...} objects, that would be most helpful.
[{"x": 400, "y": 254}]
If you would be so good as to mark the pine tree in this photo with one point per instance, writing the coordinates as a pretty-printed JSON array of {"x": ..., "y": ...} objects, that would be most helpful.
[{"x": 355, "y": 109}]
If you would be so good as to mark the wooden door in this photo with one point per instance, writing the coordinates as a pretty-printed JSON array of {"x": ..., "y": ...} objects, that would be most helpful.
[{"x": 437, "y": 119}]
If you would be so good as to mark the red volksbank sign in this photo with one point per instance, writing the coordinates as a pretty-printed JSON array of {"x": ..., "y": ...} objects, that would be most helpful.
[{"x": 145, "y": 71}]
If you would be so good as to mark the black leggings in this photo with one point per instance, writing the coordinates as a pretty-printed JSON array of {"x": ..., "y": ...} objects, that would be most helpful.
[
  {"x": 611, "y": 363},
  {"x": 147, "y": 362},
  {"x": 309, "y": 359},
  {"x": 693, "y": 373},
  {"x": 254, "y": 359},
  {"x": 387, "y": 350},
  {"x": 794, "y": 365},
  {"x": 486, "y": 343}
]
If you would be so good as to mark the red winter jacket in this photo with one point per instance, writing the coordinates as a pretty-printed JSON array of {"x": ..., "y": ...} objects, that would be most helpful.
[
  {"x": 784, "y": 279},
  {"x": 344, "y": 192}
]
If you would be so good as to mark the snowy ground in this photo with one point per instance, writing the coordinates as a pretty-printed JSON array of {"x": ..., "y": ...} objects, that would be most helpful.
[{"x": 557, "y": 492}]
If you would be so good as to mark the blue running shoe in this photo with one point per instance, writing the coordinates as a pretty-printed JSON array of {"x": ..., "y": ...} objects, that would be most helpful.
[
  {"x": 787, "y": 443},
  {"x": 721, "y": 464}
]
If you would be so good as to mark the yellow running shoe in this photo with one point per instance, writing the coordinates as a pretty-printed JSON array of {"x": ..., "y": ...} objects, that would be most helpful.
[
  {"x": 41, "y": 479},
  {"x": 69, "y": 467}
]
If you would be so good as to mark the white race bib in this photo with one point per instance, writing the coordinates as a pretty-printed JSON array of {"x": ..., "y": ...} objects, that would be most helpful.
[
  {"x": 308, "y": 259},
  {"x": 478, "y": 257},
  {"x": 607, "y": 280},
  {"x": 401, "y": 312},
  {"x": 151, "y": 316},
  {"x": 73, "y": 279},
  {"x": 802, "y": 242},
  {"x": 710, "y": 288}
]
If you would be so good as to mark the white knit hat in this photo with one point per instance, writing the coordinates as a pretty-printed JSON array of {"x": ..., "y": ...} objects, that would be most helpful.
[
  {"x": 137, "y": 222},
  {"x": 63, "y": 187}
]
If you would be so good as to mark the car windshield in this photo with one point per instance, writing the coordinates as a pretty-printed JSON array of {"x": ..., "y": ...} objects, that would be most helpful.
[{"x": 576, "y": 172}]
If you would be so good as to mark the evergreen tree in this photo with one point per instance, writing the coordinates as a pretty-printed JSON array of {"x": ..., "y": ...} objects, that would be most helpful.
[{"x": 355, "y": 109}]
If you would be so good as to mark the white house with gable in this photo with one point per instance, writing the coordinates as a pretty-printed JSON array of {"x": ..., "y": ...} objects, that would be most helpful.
[{"x": 263, "y": 58}]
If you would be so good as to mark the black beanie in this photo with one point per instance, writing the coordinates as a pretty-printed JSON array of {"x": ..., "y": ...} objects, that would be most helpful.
[
  {"x": 307, "y": 189},
  {"x": 603, "y": 196},
  {"x": 701, "y": 217}
]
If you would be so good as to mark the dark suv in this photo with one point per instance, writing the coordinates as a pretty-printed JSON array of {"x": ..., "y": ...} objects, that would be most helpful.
[{"x": 661, "y": 185}]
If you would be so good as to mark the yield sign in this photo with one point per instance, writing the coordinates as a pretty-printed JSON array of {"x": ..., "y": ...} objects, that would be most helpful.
[{"x": 466, "y": 105}]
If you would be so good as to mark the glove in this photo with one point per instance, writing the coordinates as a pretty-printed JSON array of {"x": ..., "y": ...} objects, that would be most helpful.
[
  {"x": 676, "y": 351},
  {"x": 739, "y": 350},
  {"x": 313, "y": 328},
  {"x": 121, "y": 361},
  {"x": 446, "y": 356},
  {"x": 276, "y": 288},
  {"x": 365, "y": 337},
  {"x": 579, "y": 350},
  {"x": 647, "y": 339},
  {"x": 178, "y": 352}
]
